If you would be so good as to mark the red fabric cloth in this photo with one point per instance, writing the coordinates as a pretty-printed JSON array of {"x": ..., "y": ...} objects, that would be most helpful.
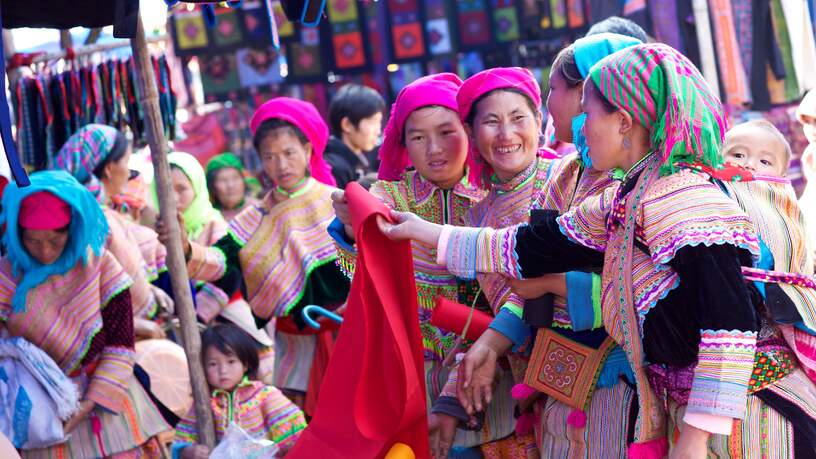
[
  {"x": 452, "y": 316},
  {"x": 44, "y": 211},
  {"x": 373, "y": 394},
  {"x": 306, "y": 118}
]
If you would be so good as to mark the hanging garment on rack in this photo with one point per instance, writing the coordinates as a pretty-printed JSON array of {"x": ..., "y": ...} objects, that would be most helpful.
[
  {"x": 803, "y": 46},
  {"x": 731, "y": 71},
  {"x": 780, "y": 26},
  {"x": 742, "y": 28}
]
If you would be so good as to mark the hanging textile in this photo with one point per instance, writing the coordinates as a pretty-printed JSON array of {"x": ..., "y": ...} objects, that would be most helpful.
[
  {"x": 473, "y": 24},
  {"x": 575, "y": 14},
  {"x": 803, "y": 47},
  {"x": 305, "y": 58},
  {"x": 505, "y": 21},
  {"x": 788, "y": 83},
  {"x": 49, "y": 107},
  {"x": 407, "y": 40},
  {"x": 731, "y": 70},
  {"x": 708, "y": 61},
  {"x": 347, "y": 36},
  {"x": 437, "y": 27},
  {"x": 666, "y": 23}
]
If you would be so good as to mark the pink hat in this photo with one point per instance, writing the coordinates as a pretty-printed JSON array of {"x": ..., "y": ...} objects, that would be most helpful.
[
  {"x": 438, "y": 90},
  {"x": 305, "y": 117},
  {"x": 488, "y": 80},
  {"x": 42, "y": 210}
]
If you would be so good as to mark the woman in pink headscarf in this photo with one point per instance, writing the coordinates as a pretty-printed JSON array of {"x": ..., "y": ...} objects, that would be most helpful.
[
  {"x": 279, "y": 248},
  {"x": 425, "y": 133}
]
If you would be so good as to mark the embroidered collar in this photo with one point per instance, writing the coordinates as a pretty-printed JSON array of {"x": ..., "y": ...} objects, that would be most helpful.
[
  {"x": 242, "y": 392},
  {"x": 518, "y": 180},
  {"x": 301, "y": 188},
  {"x": 424, "y": 189}
]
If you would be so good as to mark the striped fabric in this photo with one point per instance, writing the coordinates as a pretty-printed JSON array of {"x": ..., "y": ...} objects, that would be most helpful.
[
  {"x": 124, "y": 435},
  {"x": 295, "y": 354},
  {"x": 120, "y": 244},
  {"x": 211, "y": 300},
  {"x": 262, "y": 411},
  {"x": 416, "y": 194},
  {"x": 605, "y": 435},
  {"x": 153, "y": 252},
  {"x": 283, "y": 243},
  {"x": 733, "y": 76},
  {"x": 64, "y": 314},
  {"x": 779, "y": 220},
  {"x": 724, "y": 363},
  {"x": 507, "y": 204},
  {"x": 763, "y": 432}
]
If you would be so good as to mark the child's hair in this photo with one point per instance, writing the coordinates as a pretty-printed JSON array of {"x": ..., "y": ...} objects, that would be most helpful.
[
  {"x": 762, "y": 123},
  {"x": 231, "y": 340}
]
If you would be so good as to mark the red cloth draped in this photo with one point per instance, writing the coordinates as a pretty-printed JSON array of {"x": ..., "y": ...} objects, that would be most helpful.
[{"x": 374, "y": 388}]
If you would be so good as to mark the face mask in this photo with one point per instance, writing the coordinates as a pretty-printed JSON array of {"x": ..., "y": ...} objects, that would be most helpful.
[{"x": 579, "y": 140}]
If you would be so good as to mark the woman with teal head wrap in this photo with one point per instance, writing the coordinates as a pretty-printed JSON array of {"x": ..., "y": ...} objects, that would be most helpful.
[
  {"x": 569, "y": 70},
  {"x": 62, "y": 291}
]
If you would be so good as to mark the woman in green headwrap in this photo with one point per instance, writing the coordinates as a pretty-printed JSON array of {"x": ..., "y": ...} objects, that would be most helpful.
[
  {"x": 230, "y": 188},
  {"x": 205, "y": 225},
  {"x": 713, "y": 375}
]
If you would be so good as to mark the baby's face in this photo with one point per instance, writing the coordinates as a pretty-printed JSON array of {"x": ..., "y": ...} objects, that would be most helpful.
[{"x": 756, "y": 150}]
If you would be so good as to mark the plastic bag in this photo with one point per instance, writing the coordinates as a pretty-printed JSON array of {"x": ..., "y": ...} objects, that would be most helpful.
[{"x": 237, "y": 444}]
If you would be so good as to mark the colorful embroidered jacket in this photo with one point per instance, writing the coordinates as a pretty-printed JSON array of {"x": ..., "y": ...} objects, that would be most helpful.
[
  {"x": 83, "y": 320},
  {"x": 261, "y": 410},
  {"x": 416, "y": 194},
  {"x": 282, "y": 251},
  {"x": 686, "y": 229},
  {"x": 123, "y": 237},
  {"x": 211, "y": 300}
]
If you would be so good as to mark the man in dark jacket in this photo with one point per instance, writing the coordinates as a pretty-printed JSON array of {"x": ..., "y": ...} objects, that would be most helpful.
[{"x": 355, "y": 120}]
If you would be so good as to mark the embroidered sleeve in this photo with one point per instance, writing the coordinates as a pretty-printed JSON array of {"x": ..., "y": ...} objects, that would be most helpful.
[
  {"x": 284, "y": 421},
  {"x": 447, "y": 403},
  {"x": 521, "y": 251},
  {"x": 586, "y": 224},
  {"x": 509, "y": 323},
  {"x": 7, "y": 288},
  {"x": 209, "y": 302},
  {"x": 705, "y": 216},
  {"x": 186, "y": 432},
  {"x": 218, "y": 264},
  {"x": 480, "y": 250},
  {"x": 728, "y": 328},
  {"x": 346, "y": 253},
  {"x": 114, "y": 369},
  {"x": 584, "y": 300}
]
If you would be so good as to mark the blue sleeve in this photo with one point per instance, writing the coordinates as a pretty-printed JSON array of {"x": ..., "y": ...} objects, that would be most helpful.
[
  {"x": 511, "y": 326},
  {"x": 337, "y": 231},
  {"x": 580, "y": 304}
]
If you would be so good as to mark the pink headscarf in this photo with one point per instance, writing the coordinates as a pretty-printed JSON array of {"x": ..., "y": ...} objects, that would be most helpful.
[
  {"x": 305, "y": 117},
  {"x": 488, "y": 80},
  {"x": 440, "y": 90}
]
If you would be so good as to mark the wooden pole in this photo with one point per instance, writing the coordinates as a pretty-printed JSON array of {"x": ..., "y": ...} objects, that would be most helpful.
[{"x": 176, "y": 263}]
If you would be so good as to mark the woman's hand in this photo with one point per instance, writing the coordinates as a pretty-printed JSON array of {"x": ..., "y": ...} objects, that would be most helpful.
[
  {"x": 692, "y": 444},
  {"x": 147, "y": 329},
  {"x": 442, "y": 429},
  {"x": 196, "y": 452},
  {"x": 163, "y": 231},
  {"x": 477, "y": 371},
  {"x": 341, "y": 210},
  {"x": 409, "y": 226},
  {"x": 163, "y": 300},
  {"x": 85, "y": 408}
]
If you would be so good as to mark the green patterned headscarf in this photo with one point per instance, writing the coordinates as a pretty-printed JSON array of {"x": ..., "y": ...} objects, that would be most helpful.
[
  {"x": 224, "y": 161},
  {"x": 664, "y": 92}
]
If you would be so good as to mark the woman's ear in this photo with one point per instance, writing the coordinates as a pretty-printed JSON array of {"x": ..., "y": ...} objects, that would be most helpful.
[
  {"x": 346, "y": 125},
  {"x": 309, "y": 151},
  {"x": 626, "y": 122}
]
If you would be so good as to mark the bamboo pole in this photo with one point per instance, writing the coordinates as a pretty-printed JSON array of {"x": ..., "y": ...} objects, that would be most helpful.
[{"x": 176, "y": 263}]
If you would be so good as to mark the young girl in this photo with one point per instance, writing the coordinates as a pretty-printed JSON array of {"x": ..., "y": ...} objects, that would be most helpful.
[{"x": 230, "y": 363}]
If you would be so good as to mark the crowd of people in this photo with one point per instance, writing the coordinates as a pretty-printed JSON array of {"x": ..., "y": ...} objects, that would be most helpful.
[{"x": 647, "y": 268}]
